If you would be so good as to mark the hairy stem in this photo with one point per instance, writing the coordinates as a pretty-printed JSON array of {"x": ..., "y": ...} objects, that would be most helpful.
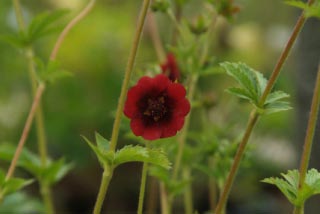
[
  {"x": 254, "y": 116},
  {"x": 35, "y": 104},
  {"x": 142, "y": 186},
  {"x": 236, "y": 162},
  {"x": 106, "y": 177},
  {"x": 42, "y": 143},
  {"x": 187, "y": 196},
  {"x": 125, "y": 84},
  {"x": 165, "y": 205},
  {"x": 26, "y": 130},
  {"x": 128, "y": 72},
  {"x": 47, "y": 198},
  {"x": 312, "y": 123},
  {"x": 183, "y": 134},
  {"x": 70, "y": 25},
  {"x": 284, "y": 55},
  {"x": 154, "y": 35}
]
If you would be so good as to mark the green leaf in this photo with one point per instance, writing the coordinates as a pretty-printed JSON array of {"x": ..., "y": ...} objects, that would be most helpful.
[
  {"x": 50, "y": 72},
  {"x": 17, "y": 40},
  {"x": 275, "y": 96},
  {"x": 43, "y": 24},
  {"x": 142, "y": 154},
  {"x": 289, "y": 185},
  {"x": 55, "y": 171},
  {"x": 243, "y": 74},
  {"x": 105, "y": 158},
  {"x": 298, "y": 4},
  {"x": 13, "y": 185},
  {"x": 310, "y": 11},
  {"x": 21, "y": 203},
  {"x": 276, "y": 107},
  {"x": 28, "y": 160},
  {"x": 103, "y": 144},
  {"x": 242, "y": 93},
  {"x": 261, "y": 82}
]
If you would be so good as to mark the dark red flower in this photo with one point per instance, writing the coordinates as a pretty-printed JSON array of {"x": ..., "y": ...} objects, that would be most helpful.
[
  {"x": 157, "y": 107},
  {"x": 170, "y": 68}
]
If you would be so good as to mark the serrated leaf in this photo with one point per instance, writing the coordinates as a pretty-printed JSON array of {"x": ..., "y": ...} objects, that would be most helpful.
[
  {"x": 141, "y": 154},
  {"x": 14, "y": 184},
  {"x": 105, "y": 158},
  {"x": 55, "y": 171},
  {"x": 261, "y": 82},
  {"x": 103, "y": 144},
  {"x": 243, "y": 75},
  {"x": 41, "y": 25},
  {"x": 313, "y": 180},
  {"x": 275, "y": 96},
  {"x": 289, "y": 191},
  {"x": 50, "y": 72},
  {"x": 289, "y": 185},
  {"x": 276, "y": 107},
  {"x": 242, "y": 93}
]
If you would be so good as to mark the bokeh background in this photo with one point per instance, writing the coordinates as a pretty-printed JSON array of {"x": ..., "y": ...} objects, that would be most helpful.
[{"x": 96, "y": 51}]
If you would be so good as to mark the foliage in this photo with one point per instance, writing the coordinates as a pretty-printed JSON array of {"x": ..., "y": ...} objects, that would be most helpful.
[
  {"x": 51, "y": 173},
  {"x": 12, "y": 185},
  {"x": 42, "y": 25},
  {"x": 126, "y": 154},
  {"x": 310, "y": 11},
  {"x": 21, "y": 203},
  {"x": 51, "y": 71},
  {"x": 289, "y": 186},
  {"x": 252, "y": 87}
]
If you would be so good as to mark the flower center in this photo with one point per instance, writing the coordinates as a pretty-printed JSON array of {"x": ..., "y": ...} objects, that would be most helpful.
[{"x": 156, "y": 108}]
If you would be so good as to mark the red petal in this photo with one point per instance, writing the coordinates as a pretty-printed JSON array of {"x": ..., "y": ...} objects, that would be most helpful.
[
  {"x": 137, "y": 126},
  {"x": 176, "y": 91},
  {"x": 152, "y": 133},
  {"x": 161, "y": 82},
  {"x": 130, "y": 106},
  {"x": 182, "y": 107},
  {"x": 168, "y": 131}
]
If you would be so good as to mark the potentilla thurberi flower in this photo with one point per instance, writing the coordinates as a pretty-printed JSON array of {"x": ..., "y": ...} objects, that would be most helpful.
[
  {"x": 170, "y": 68},
  {"x": 157, "y": 107}
]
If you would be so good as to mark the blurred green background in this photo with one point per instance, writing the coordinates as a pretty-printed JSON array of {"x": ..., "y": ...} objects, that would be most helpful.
[{"x": 96, "y": 51}]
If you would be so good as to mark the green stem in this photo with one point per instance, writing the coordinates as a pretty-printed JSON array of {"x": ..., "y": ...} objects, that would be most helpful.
[
  {"x": 116, "y": 126},
  {"x": 25, "y": 131},
  {"x": 254, "y": 116},
  {"x": 236, "y": 162},
  {"x": 37, "y": 98},
  {"x": 106, "y": 177},
  {"x": 42, "y": 143},
  {"x": 39, "y": 121},
  {"x": 188, "y": 203},
  {"x": 165, "y": 205},
  {"x": 284, "y": 56},
  {"x": 143, "y": 184},
  {"x": 154, "y": 35},
  {"x": 69, "y": 26},
  {"x": 298, "y": 210},
  {"x": 128, "y": 72},
  {"x": 183, "y": 134},
  {"x": 46, "y": 195},
  {"x": 312, "y": 123}
]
